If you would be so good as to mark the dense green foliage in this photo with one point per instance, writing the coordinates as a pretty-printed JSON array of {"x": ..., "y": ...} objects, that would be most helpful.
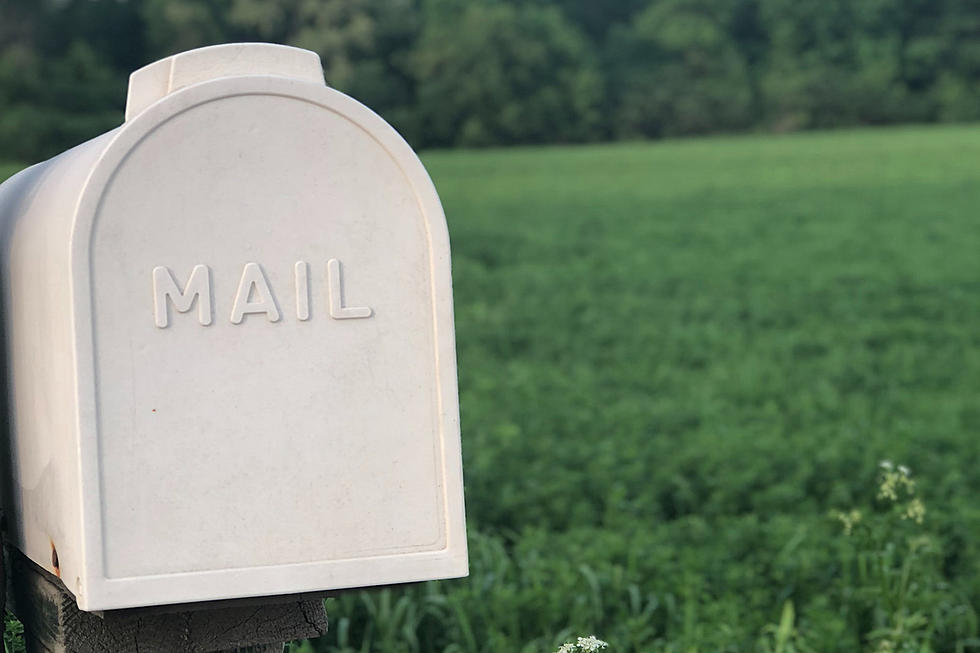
[
  {"x": 676, "y": 361},
  {"x": 483, "y": 72}
]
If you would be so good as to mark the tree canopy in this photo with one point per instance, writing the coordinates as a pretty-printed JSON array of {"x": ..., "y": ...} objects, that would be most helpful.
[{"x": 495, "y": 72}]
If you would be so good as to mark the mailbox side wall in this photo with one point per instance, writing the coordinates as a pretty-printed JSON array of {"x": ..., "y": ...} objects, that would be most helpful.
[{"x": 42, "y": 484}]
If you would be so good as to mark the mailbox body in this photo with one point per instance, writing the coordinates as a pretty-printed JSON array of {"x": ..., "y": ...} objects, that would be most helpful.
[{"x": 230, "y": 347}]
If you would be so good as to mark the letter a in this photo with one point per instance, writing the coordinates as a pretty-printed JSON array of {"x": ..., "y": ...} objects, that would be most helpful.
[
  {"x": 165, "y": 287},
  {"x": 254, "y": 283}
]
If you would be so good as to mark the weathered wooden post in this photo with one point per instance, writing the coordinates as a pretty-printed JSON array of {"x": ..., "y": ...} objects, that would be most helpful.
[{"x": 230, "y": 364}]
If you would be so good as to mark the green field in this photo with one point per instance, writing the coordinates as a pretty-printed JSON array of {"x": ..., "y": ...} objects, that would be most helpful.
[
  {"x": 8, "y": 169},
  {"x": 675, "y": 360}
]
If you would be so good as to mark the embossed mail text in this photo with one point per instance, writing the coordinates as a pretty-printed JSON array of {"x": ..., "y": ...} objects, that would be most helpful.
[{"x": 254, "y": 296}]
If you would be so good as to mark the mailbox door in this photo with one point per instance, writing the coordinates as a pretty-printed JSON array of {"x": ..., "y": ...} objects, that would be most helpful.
[{"x": 265, "y": 352}]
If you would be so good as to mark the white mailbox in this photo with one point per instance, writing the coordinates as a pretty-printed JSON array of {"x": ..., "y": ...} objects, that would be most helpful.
[{"x": 230, "y": 348}]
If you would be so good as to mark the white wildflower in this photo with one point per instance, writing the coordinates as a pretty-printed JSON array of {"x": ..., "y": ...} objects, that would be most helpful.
[
  {"x": 915, "y": 511},
  {"x": 591, "y": 643},
  {"x": 886, "y": 464},
  {"x": 894, "y": 480},
  {"x": 588, "y": 644},
  {"x": 848, "y": 519}
]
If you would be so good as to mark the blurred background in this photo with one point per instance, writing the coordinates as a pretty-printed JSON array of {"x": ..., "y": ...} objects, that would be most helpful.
[
  {"x": 718, "y": 305},
  {"x": 453, "y": 73}
]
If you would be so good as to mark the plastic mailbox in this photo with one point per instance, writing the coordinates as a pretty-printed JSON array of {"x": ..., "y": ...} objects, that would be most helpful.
[{"x": 230, "y": 350}]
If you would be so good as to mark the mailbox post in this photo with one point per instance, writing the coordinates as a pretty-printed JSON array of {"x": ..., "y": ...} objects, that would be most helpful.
[{"x": 229, "y": 349}]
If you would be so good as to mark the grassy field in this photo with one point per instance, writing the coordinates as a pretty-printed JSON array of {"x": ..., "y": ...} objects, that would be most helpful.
[
  {"x": 676, "y": 360},
  {"x": 8, "y": 169}
]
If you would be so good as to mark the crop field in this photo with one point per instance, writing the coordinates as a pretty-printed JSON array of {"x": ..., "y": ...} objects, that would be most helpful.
[{"x": 677, "y": 360}]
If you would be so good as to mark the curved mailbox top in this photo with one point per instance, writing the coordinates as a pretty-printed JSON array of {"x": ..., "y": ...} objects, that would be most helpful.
[
  {"x": 152, "y": 83},
  {"x": 245, "y": 308}
]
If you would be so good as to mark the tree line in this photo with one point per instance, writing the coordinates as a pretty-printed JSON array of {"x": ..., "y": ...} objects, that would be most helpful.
[{"x": 453, "y": 73}]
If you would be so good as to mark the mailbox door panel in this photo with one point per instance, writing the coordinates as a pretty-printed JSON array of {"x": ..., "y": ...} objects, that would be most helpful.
[{"x": 283, "y": 405}]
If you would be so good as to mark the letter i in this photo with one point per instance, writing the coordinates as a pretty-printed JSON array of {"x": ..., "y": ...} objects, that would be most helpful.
[{"x": 302, "y": 275}]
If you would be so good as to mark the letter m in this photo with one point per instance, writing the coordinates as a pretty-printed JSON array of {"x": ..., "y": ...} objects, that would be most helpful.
[{"x": 165, "y": 287}]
